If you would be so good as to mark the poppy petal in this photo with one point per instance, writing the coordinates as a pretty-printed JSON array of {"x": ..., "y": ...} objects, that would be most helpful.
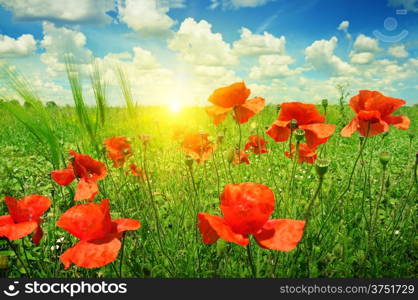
[
  {"x": 317, "y": 133},
  {"x": 63, "y": 177},
  {"x": 372, "y": 128},
  {"x": 279, "y": 131},
  {"x": 18, "y": 230},
  {"x": 5, "y": 220},
  {"x": 92, "y": 254},
  {"x": 400, "y": 122},
  {"x": 384, "y": 105},
  {"x": 217, "y": 113},
  {"x": 87, "y": 221},
  {"x": 242, "y": 113},
  {"x": 280, "y": 234},
  {"x": 247, "y": 206},
  {"x": 30, "y": 208},
  {"x": 230, "y": 96},
  {"x": 303, "y": 113},
  {"x": 350, "y": 128},
  {"x": 126, "y": 224},
  {"x": 36, "y": 238},
  {"x": 213, "y": 227},
  {"x": 86, "y": 190}
]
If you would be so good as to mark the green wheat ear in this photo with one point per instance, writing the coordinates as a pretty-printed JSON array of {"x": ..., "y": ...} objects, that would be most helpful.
[
  {"x": 99, "y": 86},
  {"x": 126, "y": 91},
  {"x": 74, "y": 79},
  {"x": 33, "y": 115}
]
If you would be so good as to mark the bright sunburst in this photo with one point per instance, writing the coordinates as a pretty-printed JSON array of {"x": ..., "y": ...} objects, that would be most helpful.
[{"x": 175, "y": 107}]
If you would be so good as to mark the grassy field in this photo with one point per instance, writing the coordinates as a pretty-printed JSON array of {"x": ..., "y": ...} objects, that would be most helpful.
[{"x": 365, "y": 226}]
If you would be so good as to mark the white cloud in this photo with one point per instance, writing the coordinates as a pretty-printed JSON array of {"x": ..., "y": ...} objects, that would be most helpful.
[
  {"x": 364, "y": 43},
  {"x": 361, "y": 58},
  {"x": 271, "y": 66},
  {"x": 320, "y": 54},
  {"x": 251, "y": 44},
  {"x": 398, "y": 51},
  {"x": 148, "y": 17},
  {"x": 198, "y": 45},
  {"x": 344, "y": 28},
  {"x": 81, "y": 11},
  {"x": 365, "y": 50},
  {"x": 235, "y": 4},
  {"x": 57, "y": 42},
  {"x": 22, "y": 46}
]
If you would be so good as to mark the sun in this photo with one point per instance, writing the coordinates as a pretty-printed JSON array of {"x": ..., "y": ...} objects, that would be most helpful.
[{"x": 175, "y": 107}]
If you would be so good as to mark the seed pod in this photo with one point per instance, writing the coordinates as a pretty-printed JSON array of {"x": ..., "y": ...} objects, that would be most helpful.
[
  {"x": 384, "y": 158},
  {"x": 321, "y": 167},
  {"x": 324, "y": 103},
  {"x": 278, "y": 107},
  {"x": 299, "y": 133},
  {"x": 220, "y": 138},
  {"x": 189, "y": 161}
]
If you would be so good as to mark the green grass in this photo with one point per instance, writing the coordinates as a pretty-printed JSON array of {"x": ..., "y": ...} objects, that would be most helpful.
[{"x": 335, "y": 244}]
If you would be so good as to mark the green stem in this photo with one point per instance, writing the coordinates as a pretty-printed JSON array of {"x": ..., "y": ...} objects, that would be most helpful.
[
  {"x": 18, "y": 257},
  {"x": 250, "y": 260}
]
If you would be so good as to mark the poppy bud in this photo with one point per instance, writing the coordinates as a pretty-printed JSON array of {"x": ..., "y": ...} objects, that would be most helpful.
[
  {"x": 144, "y": 138},
  {"x": 189, "y": 161},
  {"x": 293, "y": 124},
  {"x": 4, "y": 262},
  {"x": 385, "y": 134},
  {"x": 231, "y": 154},
  {"x": 299, "y": 133},
  {"x": 266, "y": 127},
  {"x": 324, "y": 103},
  {"x": 321, "y": 167},
  {"x": 411, "y": 136},
  {"x": 220, "y": 137},
  {"x": 384, "y": 158},
  {"x": 278, "y": 107}
]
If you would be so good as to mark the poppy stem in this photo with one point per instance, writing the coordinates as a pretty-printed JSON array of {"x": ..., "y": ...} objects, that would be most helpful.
[
  {"x": 338, "y": 202},
  {"x": 240, "y": 136},
  {"x": 250, "y": 260},
  {"x": 18, "y": 257},
  {"x": 121, "y": 255},
  {"x": 373, "y": 217},
  {"x": 309, "y": 209}
]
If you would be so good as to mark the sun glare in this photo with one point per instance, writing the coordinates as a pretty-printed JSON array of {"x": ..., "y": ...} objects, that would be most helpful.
[{"x": 175, "y": 107}]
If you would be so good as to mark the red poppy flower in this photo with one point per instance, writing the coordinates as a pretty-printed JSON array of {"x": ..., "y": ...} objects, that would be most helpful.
[
  {"x": 247, "y": 208},
  {"x": 240, "y": 157},
  {"x": 198, "y": 146},
  {"x": 374, "y": 114},
  {"x": 307, "y": 118},
  {"x": 99, "y": 235},
  {"x": 24, "y": 218},
  {"x": 137, "y": 171},
  {"x": 306, "y": 154},
  {"x": 118, "y": 150},
  {"x": 88, "y": 170},
  {"x": 234, "y": 97},
  {"x": 256, "y": 144}
]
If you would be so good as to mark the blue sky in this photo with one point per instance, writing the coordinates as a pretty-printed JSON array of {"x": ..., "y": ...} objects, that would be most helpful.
[{"x": 178, "y": 51}]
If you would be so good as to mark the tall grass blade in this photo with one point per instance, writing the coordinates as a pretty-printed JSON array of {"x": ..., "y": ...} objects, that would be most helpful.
[
  {"x": 99, "y": 88},
  {"x": 33, "y": 116},
  {"x": 126, "y": 91}
]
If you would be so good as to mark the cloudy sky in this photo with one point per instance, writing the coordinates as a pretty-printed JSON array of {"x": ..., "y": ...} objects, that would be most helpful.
[{"x": 180, "y": 50}]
